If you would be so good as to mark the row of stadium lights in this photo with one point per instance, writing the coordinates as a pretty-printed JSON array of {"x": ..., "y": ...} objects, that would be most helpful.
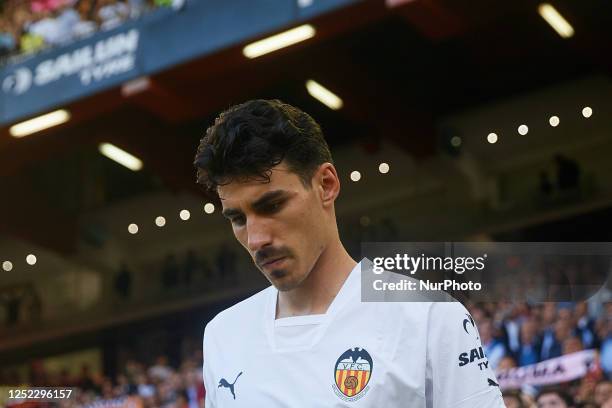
[
  {"x": 522, "y": 130},
  {"x": 7, "y": 266},
  {"x": 209, "y": 208},
  {"x": 160, "y": 221},
  {"x": 383, "y": 168}
]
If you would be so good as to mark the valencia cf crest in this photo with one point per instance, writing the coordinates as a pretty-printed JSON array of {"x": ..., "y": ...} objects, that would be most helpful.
[{"x": 352, "y": 373}]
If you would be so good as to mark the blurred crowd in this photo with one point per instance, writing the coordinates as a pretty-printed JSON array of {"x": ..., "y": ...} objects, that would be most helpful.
[
  {"x": 19, "y": 303},
  {"x": 513, "y": 334},
  {"x": 521, "y": 334},
  {"x": 27, "y": 26},
  {"x": 137, "y": 384}
]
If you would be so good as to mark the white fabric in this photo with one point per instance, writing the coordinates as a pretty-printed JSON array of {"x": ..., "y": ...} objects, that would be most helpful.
[
  {"x": 422, "y": 354},
  {"x": 296, "y": 331}
]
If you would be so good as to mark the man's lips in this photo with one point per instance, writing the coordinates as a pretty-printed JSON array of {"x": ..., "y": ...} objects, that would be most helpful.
[{"x": 273, "y": 261}]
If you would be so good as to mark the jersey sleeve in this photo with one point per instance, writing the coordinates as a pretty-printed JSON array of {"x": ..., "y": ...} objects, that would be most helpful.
[
  {"x": 458, "y": 374},
  {"x": 209, "y": 379}
]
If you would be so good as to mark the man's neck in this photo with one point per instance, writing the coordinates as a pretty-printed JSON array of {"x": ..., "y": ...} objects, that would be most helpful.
[{"x": 321, "y": 286}]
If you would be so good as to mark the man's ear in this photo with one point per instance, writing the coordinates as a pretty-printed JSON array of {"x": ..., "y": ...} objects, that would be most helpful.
[{"x": 328, "y": 184}]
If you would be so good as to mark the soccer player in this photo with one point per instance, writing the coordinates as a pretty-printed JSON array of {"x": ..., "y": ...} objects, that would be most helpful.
[{"x": 308, "y": 340}]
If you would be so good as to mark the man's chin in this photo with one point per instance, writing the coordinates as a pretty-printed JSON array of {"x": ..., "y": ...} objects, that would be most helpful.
[
  {"x": 282, "y": 280},
  {"x": 285, "y": 287}
]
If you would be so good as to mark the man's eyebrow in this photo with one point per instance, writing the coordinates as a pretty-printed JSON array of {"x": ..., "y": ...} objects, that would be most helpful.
[
  {"x": 269, "y": 196},
  {"x": 261, "y": 201}
]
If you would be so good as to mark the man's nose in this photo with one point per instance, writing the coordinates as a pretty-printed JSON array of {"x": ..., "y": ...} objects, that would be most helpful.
[{"x": 258, "y": 234}]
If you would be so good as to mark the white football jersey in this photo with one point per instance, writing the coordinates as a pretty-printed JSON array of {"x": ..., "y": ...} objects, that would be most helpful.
[{"x": 357, "y": 354}]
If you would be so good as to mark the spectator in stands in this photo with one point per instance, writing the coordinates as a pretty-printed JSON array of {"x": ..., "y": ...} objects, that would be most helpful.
[
  {"x": 226, "y": 264},
  {"x": 511, "y": 317},
  {"x": 529, "y": 350},
  {"x": 8, "y": 44},
  {"x": 85, "y": 380},
  {"x": 145, "y": 389},
  {"x": 194, "y": 387},
  {"x": 32, "y": 305},
  {"x": 506, "y": 363},
  {"x": 111, "y": 13},
  {"x": 182, "y": 400},
  {"x": 206, "y": 274},
  {"x": 160, "y": 371},
  {"x": 170, "y": 271},
  {"x": 585, "y": 325},
  {"x": 493, "y": 348},
  {"x": 46, "y": 27},
  {"x": 546, "y": 186},
  {"x": 12, "y": 299},
  {"x": 585, "y": 391},
  {"x": 571, "y": 345},
  {"x": 190, "y": 268},
  {"x": 548, "y": 315},
  {"x": 29, "y": 42},
  {"x": 512, "y": 399},
  {"x": 552, "y": 344},
  {"x": 553, "y": 398},
  {"x": 137, "y": 7},
  {"x": 64, "y": 379},
  {"x": 603, "y": 393},
  {"x": 123, "y": 282},
  {"x": 107, "y": 389},
  {"x": 85, "y": 26},
  {"x": 605, "y": 333},
  {"x": 568, "y": 173},
  {"x": 38, "y": 374}
]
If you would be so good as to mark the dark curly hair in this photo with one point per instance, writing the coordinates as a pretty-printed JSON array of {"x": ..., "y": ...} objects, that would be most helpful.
[{"x": 248, "y": 140}]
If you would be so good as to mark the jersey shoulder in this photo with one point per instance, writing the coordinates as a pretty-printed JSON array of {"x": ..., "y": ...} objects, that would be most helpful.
[{"x": 240, "y": 314}]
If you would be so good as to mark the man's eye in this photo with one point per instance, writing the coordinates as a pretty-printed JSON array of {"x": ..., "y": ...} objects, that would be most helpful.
[
  {"x": 237, "y": 220},
  {"x": 273, "y": 207}
]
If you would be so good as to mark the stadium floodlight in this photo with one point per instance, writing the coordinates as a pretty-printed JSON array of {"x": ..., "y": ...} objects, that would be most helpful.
[
  {"x": 278, "y": 41},
  {"x": 323, "y": 95},
  {"x": 39, "y": 123},
  {"x": 31, "y": 259},
  {"x": 556, "y": 20},
  {"x": 120, "y": 156}
]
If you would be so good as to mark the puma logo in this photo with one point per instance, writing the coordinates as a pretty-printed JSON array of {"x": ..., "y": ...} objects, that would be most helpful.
[{"x": 223, "y": 383}]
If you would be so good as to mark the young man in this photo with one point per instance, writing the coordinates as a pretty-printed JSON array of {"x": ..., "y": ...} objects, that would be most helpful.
[{"x": 308, "y": 340}]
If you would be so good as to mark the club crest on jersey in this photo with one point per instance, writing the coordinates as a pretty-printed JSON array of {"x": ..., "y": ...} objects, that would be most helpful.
[{"x": 352, "y": 373}]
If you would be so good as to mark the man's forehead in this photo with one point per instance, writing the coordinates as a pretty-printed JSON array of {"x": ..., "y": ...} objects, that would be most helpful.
[{"x": 252, "y": 188}]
